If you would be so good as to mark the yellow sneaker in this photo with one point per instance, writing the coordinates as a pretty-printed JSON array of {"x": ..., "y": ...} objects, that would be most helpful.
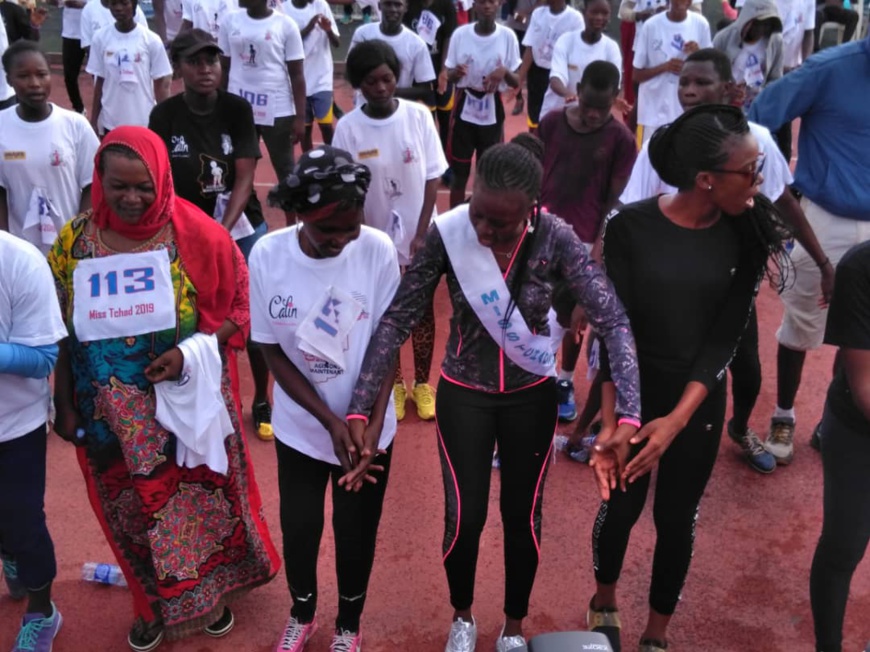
[
  {"x": 400, "y": 396},
  {"x": 424, "y": 396},
  {"x": 262, "y": 413}
]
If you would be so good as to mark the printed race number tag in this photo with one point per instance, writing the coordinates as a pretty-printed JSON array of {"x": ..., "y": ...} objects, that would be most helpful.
[
  {"x": 123, "y": 295},
  {"x": 479, "y": 110},
  {"x": 42, "y": 213},
  {"x": 325, "y": 329},
  {"x": 427, "y": 27},
  {"x": 261, "y": 103}
]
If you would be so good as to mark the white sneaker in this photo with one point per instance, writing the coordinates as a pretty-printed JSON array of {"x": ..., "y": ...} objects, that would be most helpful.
[
  {"x": 463, "y": 636},
  {"x": 504, "y": 643}
]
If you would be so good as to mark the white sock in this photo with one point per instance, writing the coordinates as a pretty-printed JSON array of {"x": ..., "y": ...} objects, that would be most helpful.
[
  {"x": 565, "y": 375},
  {"x": 779, "y": 413}
]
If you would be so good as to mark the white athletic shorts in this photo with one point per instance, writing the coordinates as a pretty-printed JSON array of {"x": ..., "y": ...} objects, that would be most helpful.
[{"x": 803, "y": 322}]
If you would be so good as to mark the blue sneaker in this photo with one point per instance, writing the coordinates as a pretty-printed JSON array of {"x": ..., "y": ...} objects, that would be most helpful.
[
  {"x": 567, "y": 408},
  {"x": 17, "y": 591},
  {"x": 757, "y": 456},
  {"x": 38, "y": 632}
]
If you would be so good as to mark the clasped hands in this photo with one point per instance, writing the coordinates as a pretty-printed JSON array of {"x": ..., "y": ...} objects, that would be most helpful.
[{"x": 355, "y": 443}]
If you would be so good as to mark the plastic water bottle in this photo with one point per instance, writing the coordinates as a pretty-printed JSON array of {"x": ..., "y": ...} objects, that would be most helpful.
[{"x": 103, "y": 574}]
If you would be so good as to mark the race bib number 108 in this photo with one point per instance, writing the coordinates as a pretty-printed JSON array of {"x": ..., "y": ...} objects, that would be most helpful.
[{"x": 123, "y": 295}]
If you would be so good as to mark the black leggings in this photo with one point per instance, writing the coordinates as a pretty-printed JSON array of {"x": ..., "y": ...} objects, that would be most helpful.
[
  {"x": 355, "y": 517},
  {"x": 278, "y": 139},
  {"x": 470, "y": 424},
  {"x": 73, "y": 56},
  {"x": 845, "y": 527},
  {"x": 536, "y": 84},
  {"x": 683, "y": 472},
  {"x": 746, "y": 373}
]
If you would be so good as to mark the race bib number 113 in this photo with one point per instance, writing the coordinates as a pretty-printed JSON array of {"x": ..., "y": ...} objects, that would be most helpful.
[{"x": 123, "y": 295}]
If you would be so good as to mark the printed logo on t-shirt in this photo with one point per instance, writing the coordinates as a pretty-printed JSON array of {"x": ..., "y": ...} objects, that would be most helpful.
[
  {"x": 212, "y": 176},
  {"x": 226, "y": 144},
  {"x": 14, "y": 156},
  {"x": 249, "y": 56},
  {"x": 322, "y": 370},
  {"x": 368, "y": 153},
  {"x": 678, "y": 43},
  {"x": 282, "y": 309},
  {"x": 268, "y": 36},
  {"x": 57, "y": 157},
  {"x": 179, "y": 147},
  {"x": 409, "y": 155},
  {"x": 392, "y": 188},
  {"x": 123, "y": 58}
]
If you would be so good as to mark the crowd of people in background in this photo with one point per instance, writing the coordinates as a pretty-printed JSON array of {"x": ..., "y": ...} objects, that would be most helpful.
[{"x": 653, "y": 194}]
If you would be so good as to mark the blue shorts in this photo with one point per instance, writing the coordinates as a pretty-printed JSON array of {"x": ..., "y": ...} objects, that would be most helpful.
[{"x": 319, "y": 107}]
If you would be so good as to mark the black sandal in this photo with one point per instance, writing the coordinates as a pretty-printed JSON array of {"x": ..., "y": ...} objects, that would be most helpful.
[
  {"x": 605, "y": 621},
  {"x": 222, "y": 626}
]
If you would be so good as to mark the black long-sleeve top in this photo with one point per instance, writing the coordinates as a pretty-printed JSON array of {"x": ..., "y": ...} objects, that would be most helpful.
[{"x": 687, "y": 292}]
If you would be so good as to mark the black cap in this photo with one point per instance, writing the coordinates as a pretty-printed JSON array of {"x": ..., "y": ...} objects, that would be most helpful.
[{"x": 190, "y": 42}]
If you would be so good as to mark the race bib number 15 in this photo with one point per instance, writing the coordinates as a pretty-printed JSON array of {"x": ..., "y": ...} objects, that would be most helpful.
[{"x": 123, "y": 295}]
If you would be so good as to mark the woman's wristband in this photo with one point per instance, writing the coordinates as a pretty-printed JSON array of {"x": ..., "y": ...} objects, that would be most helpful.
[
  {"x": 361, "y": 417},
  {"x": 628, "y": 421}
]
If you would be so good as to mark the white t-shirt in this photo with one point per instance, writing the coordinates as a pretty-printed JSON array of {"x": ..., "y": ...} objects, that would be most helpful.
[
  {"x": 402, "y": 152},
  {"x": 571, "y": 55},
  {"x": 30, "y": 316},
  {"x": 202, "y": 14},
  {"x": 259, "y": 50},
  {"x": 749, "y": 67},
  {"x": 318, "y": 51},
  {"x": 128, "y": 63},
  {"x": 228, "y": 6},
  {"x": 71, "y": 26},
  {"x": 645, "y": 181},
  {"x": 482, "y": 54},
  {"x": 172, "y": 16},
  {"x": 286, "y": 285},
  {"x": 6, "y": 90},
  {"x": 545, "y": 28},
  {"x": 411, "y": 49},
  {"x": 647, "y": 5},
  {"x": 662, "y": 40},
  {"x": 44, "y": 166},
  {"x": 798, "y": 17},
  {"x": 95, "y": 16}
]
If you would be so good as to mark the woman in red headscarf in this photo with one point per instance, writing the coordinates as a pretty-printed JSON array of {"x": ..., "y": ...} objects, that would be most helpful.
[{"x": 139, "y": 274}]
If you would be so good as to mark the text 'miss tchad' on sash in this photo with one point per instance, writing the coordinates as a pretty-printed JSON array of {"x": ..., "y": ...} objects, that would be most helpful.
[{"x": 486, "y": 292}]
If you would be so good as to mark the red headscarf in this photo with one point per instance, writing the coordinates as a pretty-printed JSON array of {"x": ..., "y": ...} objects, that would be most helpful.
[{"x": 208, "y": 253}]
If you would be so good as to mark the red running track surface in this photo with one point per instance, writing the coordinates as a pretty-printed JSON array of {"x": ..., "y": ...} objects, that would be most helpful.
[{"x": 747, "y": 588}]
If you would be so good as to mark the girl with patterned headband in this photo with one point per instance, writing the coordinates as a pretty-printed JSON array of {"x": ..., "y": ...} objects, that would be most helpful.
[{"x": 318, "y": 290}]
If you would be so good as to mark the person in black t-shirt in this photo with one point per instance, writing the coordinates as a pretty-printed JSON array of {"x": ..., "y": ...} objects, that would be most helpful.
[
  {"x": 845, "y": 450},
  {"x": 686, "y": 266},
  {"x": 213, "y": 150}
]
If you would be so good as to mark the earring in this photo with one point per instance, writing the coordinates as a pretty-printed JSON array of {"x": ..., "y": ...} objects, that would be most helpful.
[{"x": 709, "y": 187}]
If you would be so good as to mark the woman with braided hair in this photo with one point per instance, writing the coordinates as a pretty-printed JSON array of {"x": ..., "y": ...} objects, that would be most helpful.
[
  {"x": 687, "y": 266},
  {"x": 502, "y": 258},
  {"x": 319, "y": 289}
]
